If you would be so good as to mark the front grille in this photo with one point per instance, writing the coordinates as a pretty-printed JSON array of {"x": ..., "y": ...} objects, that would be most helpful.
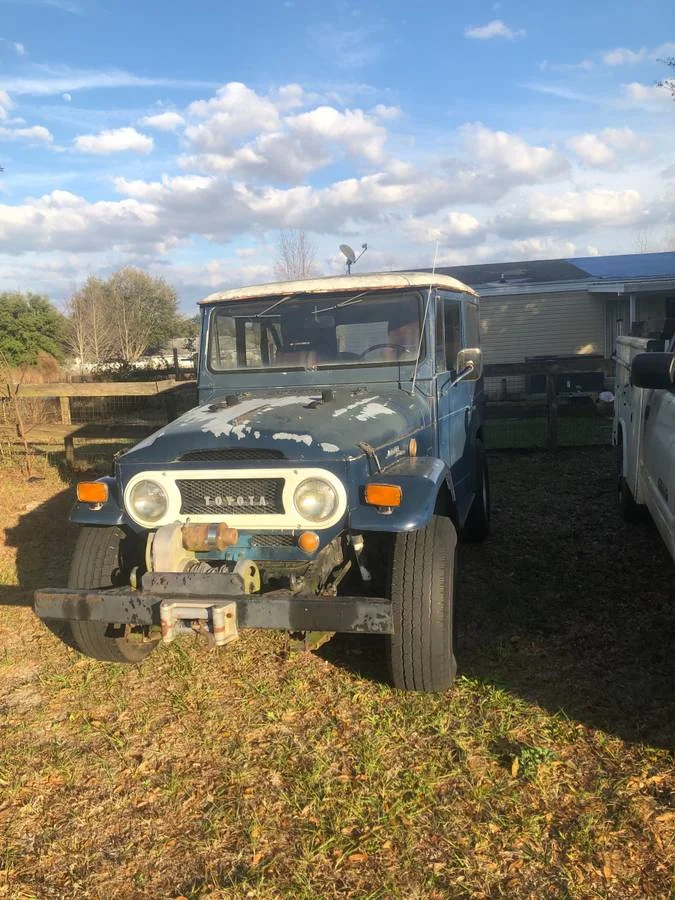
[
  {"x": 273, "y": 540},
  {"x": 230, "y": 453},
  {"x": 242, "y": 496}
]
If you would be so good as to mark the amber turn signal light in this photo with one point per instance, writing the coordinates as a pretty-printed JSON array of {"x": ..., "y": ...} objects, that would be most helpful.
[
  {"x": 92, "y": 492},
  {"x": 309, "y": 542},
  {"x": 383, "y": 495}
]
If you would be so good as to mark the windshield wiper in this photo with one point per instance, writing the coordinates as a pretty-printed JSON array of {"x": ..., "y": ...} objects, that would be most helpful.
[{"x": 274, "y": 306}]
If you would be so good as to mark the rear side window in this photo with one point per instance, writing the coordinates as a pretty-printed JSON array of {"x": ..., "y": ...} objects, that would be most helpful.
[
  {"x": 452, "y": 332},
  {"x": 471, "y": 325}
]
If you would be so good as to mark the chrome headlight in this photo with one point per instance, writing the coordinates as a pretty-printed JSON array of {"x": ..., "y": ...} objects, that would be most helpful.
[
  {"x": 315, "y": 499},
  {"x": 148, "y": 501}
]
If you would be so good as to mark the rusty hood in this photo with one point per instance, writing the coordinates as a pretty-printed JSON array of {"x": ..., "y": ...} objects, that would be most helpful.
[{"x": 297, "y": 426}]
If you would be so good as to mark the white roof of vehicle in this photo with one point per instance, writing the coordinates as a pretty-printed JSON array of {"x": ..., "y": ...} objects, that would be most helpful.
[{"x": 384, "y": 281}]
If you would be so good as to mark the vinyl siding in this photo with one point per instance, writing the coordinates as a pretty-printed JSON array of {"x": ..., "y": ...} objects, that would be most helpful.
[{"x": 564, "y": 324}]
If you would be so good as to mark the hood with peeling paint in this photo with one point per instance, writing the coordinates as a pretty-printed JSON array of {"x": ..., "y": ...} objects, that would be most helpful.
[{"x": 298, "y": 427}]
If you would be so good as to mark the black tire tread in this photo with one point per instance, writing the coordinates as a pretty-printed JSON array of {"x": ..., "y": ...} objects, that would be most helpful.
[
  {"x": 420, "y": 651},
  {"x": 96, "y": 564}
]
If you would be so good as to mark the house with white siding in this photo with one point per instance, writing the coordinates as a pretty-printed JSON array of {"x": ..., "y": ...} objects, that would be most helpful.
[{"x": 564, "y": 308}]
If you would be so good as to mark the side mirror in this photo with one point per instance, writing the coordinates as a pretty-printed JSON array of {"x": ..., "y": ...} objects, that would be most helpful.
[
  {"x": 472, "y": 356},
  {"x": 653, "y": 370}
]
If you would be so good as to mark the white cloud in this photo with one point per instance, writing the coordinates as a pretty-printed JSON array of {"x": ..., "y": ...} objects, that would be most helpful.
[
  {"x": 381, "y": 111},
  {"x": 63, "y": 221},
  {"x": 67, "y": 97},
  {"x": 645, "y": 95},
  {"x": 454, "y": 227},
  {"x": 114, "y": 140},
  {"x": 6, "y": 104},
  {"x": 57, "y": 80},
  {"x": 622, "y": 55},
  {"x": 166, "y": 121},
  {"x": 592, "y": 150},
  {"x": 511, "y": 154},
  {"x": 347, "y": 48},
  {"x": 353, "y": 129},
  {"x": 235, "y": 111},
  {"x": 34, "y": 134},
  {"x": 494, "y": 29},
  {"x": 286, "y": 148},
  {"x": 571, "y": 210},
  {"x": 546, "y": 248},
  {"x": 600, "y": 150},
  {"x": 289, "y": 96}
]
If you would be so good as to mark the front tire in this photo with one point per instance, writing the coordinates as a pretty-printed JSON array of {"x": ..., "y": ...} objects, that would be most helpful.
[
  {"x": 420, "y": 652},
  {"x": 104, "y": 558}
]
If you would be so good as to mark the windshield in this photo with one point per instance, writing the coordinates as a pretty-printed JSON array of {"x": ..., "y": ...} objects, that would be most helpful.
[{"x": 310, "y": 332}]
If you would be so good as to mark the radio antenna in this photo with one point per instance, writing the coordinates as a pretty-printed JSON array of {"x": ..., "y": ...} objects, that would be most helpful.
[{"x": 424, "y": 321}]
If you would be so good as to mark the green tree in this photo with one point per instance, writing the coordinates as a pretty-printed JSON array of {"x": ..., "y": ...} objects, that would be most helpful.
[
  {"x": 143, "y": 312},
  {"x": 29, "y": 324},
  {"x": 121, "y": 317}
]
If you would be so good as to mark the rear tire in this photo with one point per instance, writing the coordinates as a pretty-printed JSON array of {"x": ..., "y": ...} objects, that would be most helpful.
[
  {"x": 104, "y": 558},
  {"x": 420, "y": 652},
  {"x": 477, "y": 525}
]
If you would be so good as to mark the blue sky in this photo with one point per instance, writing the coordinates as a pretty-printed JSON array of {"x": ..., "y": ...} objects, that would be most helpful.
[{"x": 182, "y": 138}]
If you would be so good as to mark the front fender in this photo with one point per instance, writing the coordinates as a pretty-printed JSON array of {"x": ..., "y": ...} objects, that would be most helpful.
[
  {"x": 109, "y": 513},
  {"x": 421, "y": 479}
]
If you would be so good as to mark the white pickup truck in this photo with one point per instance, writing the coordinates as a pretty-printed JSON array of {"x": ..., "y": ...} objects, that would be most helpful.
[{"x": 644, "y": 431}]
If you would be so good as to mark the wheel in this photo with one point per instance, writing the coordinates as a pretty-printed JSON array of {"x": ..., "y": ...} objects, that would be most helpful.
[
  {"x": 629, "y": 509},
  {"x": 477, "y": 525},
  {"x": 420, "y": 651},
  {"x": 104, "y": 558}
]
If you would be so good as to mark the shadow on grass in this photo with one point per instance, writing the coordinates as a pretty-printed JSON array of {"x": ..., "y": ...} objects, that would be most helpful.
[{"x": 564, "y": 606}]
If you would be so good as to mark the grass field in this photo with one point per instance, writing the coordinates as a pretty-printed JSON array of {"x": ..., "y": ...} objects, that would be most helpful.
[{"x": 547, "y": 771}]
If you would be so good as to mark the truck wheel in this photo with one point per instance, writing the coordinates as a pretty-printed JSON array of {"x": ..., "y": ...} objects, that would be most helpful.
[
  {"x": 420, "y": 651},
  {"x": 629, "y": 509},
  {"x": 477, "y": 525},
  {"x": 104, "y": 558}
]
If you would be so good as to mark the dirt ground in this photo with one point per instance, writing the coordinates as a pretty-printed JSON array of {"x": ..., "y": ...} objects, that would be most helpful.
[{"x": 547, "y": 771}]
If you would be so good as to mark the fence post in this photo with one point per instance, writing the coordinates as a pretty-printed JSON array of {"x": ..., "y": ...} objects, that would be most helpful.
[
  {"x": 176, "y": 367},
  {"x": 551, "y": 409},
  {"x": 64, "y": 403},
  {"x": 171, "y": 405}
]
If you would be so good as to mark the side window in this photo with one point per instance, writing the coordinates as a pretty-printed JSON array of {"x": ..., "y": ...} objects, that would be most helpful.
[
  {"x": 453, "y": 334},
  {"x": 471, "y": 325}
]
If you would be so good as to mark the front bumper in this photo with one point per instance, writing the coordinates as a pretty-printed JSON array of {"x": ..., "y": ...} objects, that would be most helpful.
[{"x": 275, "y": 609}]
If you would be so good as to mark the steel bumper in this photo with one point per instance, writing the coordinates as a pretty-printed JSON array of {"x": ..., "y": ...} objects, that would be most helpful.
[{"x": 275, "y": 609}]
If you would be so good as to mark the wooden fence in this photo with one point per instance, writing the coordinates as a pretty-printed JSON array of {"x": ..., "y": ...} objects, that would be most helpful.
[
  {"x": 172, "y": 392},
  {"x": 66, "y": 431}
]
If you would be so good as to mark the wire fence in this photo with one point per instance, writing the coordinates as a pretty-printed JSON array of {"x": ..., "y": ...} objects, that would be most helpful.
[{"x": 529, "y": 407}]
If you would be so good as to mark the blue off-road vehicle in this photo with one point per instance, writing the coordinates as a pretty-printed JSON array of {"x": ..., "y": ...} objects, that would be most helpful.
[{"x": 319, "y": 486}]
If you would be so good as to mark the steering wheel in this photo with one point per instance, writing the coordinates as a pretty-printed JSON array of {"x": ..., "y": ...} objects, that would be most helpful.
[{"x": 399, "y": 347}]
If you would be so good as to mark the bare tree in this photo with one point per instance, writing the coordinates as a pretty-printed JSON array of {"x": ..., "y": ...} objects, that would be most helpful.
[
  {"x": 668, "y": 83},
  {"x": 296, "y": 255},
  {"x": 120, "y": 317},
  {"x": 90, "y": 333},
  {"x": 647, "y": 241}
]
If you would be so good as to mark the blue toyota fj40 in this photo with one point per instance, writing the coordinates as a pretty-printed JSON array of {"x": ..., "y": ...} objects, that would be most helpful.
[{"x": 319, "y": 486}]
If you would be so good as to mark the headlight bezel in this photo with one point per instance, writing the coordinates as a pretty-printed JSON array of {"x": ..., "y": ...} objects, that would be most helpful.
[
  {"x": 140, "y": 516},
  {"x": 306, "y": 486}
]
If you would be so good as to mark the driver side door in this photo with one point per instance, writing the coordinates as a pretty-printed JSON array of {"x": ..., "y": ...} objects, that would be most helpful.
[{"x": 453, "y": 402}]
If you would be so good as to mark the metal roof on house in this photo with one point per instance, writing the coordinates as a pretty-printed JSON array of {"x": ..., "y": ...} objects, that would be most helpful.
[
  {"x": 380, "y": 281},
  {"x": 602, "y": 274}
]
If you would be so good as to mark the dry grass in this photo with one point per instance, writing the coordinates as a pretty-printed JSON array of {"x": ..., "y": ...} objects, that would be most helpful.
[{"x": 546, "y": 772}]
